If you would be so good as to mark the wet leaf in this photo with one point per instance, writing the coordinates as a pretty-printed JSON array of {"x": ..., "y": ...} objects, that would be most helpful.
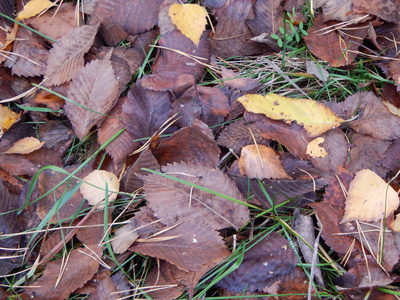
[
  {"x": 25, "y": 146},
  {"x": 369, "y": 198},
  {"x": 94, "y": 186},
  {"x": 66, "y": 56},
  {"x": 314, "y": 116},
  {"x": 94, "y": 90},
  {"x": 190, "y": 19}
]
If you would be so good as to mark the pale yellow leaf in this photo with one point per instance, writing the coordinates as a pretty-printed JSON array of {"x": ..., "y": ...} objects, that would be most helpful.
[
  {"x": 369, "y": 198},
  {"x": 124, "y": 237},
  {"x": 94, "y": 187},
  {"x": 261, "y": 163},
  {"x": 396, "y": 223},
  {"x": 315, "y": 150},
  {"x": 190, "y": 19},
  {"x": 33, "y": 8},
  {"x": 25, "y": 146},
  {"x": 393, "y": 109},
  {"x": 314, "y": 116},
  {"x": 7, "y": 118}
]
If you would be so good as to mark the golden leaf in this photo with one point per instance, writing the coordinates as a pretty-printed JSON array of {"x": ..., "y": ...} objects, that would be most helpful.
[
  {"x": 190, "y": 19},
  {"x": 33, "y": 8},
  {"x": 25, "y": 146},
  {"x": 7, "y": 118},
  {"x": 314, "y": 116},
  {"x": 315, "y": 150}
]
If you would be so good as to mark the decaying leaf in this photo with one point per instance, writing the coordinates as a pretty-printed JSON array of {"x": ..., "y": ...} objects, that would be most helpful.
[
  {"x": 259, "y": 161},
  {"x": 314, "y": 116},
  {"x": 94, "y": 185},
  {"x": 94, "y": 90},
  {"x": 25, "y": 146},
  {"x": 369, "y": 198},
  {"x": 66, "y": 56},
  {"x": 190, "y": 19}
]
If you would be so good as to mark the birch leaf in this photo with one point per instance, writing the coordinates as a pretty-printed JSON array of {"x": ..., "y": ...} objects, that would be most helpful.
[
  {"x": 25, "y": 146},
  {"x": 33, "y": 8},
  {"x": 314, "y": 116}
]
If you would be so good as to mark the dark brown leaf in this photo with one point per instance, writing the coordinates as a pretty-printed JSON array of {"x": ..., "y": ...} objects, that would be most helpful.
[
  {"x": 56, "y": 136},
  {"x": 16, "y": 164},
  {"x": 95, "y": 87},
  {"x": 124, "y": 144},
  {"x": 232, "y": 35},
  {"x": 79, "y": 268},
  {"x": 267, "y": 262},
  {"x": 194, "y": 245},
  {"x": 194, "y": 144},
  {"x": 235, "y": 81},
  {"x": 177, "y": 69},
  {"x": 173, "y": 201},
  {"x": 333, "y": 47},
  {"x": 66, "y": 56},
  {"x": 145, "y": 111},
  {"x": 385, "y": 10},
  {"x": 391, "y": 158},
  {"x": 337, "y": 187}
]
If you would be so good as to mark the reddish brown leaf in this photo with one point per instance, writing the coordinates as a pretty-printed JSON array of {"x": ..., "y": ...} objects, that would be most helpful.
[
  {"x": 391, "y": 158},
  {"x": 54, "y": 23},
  {"x": 102, "y": 287},
  {"x": 267, "y": 262},
  {"x": 173, "y": 201},
  {"x": 234, "y": 81},
  {"x": 194, "y": 144},
  {"x": 131, "y": 182},
  {"x": 145, "y": 111},
  {"x": 16, "y": 164},
  {"x": 92, "y": 234},
  {"x": 95, "y": 87},
  {"x": 385, "y": 10},
  {"x": 237, "y": 135},
  {"x": 193, "y": 246},
  {"x": 175, "y": 68},
  {"x": 232, "y": 36},
  {"x": 66, "y": 56},
  {"x": 124, "y": 144},
  {"x": 366, "y": 153},
  {"x": 337, "y": 188},
  {"x": 294, "y": 137},
  {"x": 29, "y": 54},
  {"x": 79, "y": 268},
  {"x": 333, "y": 47},
  {"x": 335, "y": 144}
]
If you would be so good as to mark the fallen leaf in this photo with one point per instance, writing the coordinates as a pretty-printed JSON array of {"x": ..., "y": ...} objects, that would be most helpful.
[
  {"x": 190, "y": 19},
  {"x": 268, "y": 261},
  {"x": 369, "y": 198},
  {"x": 94, "y": 187},
  {"x": 317, "y": 70},
  {"x": 66, "y": 56},
  {"x": 336, "y": 191},
  {"x": 259, "y": 161},
  {"x": 25, "y": 146},
  {"x": 94, "y": 90},
  {"x": 7, "y": 118},
  {"x": 192, "y": 246},
  {"x": 33, "y": 8},
  {"x": 190, "y": 204},
  {"x": 236, "y": 81},
  {"x": 124, "y": 237},
  {"x": 315, "y": 150},
  {"x": 314, "y": 116}
]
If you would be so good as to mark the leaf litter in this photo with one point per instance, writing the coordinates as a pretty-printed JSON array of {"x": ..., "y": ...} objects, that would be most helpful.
[{"x": 221, "y": 176}]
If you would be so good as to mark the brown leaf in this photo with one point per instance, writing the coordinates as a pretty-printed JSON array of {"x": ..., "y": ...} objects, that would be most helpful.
[
  {"x": 335, "y": 144},
  {"x": 145, "y": 111},
  {"x": 391, "y": 157},
  {"x": 232, "y": 35},
  {"x": 259, "y": 161},
  {"x": 235, "y": 81},
  {"x": 177, "y": 69},
  {"x": 340, "y": 10},
  {"x": 268, "y": 261},
  {"x": 237, "y": 135},
  {"x": 388, "y": 10},
  {"x": 54, "y": 23},
  {"x": 66, "y": 56},
  {"x": 336, "y": 191},
  {"x": 79, "y": 268},
  {"x": 124, "y": 144},
  {"x": 173, "y": 201},
  {"x": 333, "y": 47},
  {"x": 29, "y": 54},
  {"x": 294, "y": 137},
  {"x": 16, "y": 164},
  {"x": 104, "y": 287},
  {"x": 193, "y": 246},
  {"x": 194, "y": 144},
  {"x": 95, "y": 87},
  {"x": 91, "y": 235},
  {"x": 56, "y": 136}
]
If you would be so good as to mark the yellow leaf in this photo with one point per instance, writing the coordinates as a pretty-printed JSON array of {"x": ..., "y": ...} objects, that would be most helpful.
[
  {"x": 7, "y": 118},
  {"x": 393, "y": 109},
  {"x": 25, "y": 146},
  {"x": 190, "y": 19},
  {"x": 369, "y": 198},
  {"x": 315, "y": 150},
  {"x": 261, "y": 163},
  {"x": 93, "y": 188},
  {"x": 33, "y": 8},
  {"x": 314, "y": 116}
]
